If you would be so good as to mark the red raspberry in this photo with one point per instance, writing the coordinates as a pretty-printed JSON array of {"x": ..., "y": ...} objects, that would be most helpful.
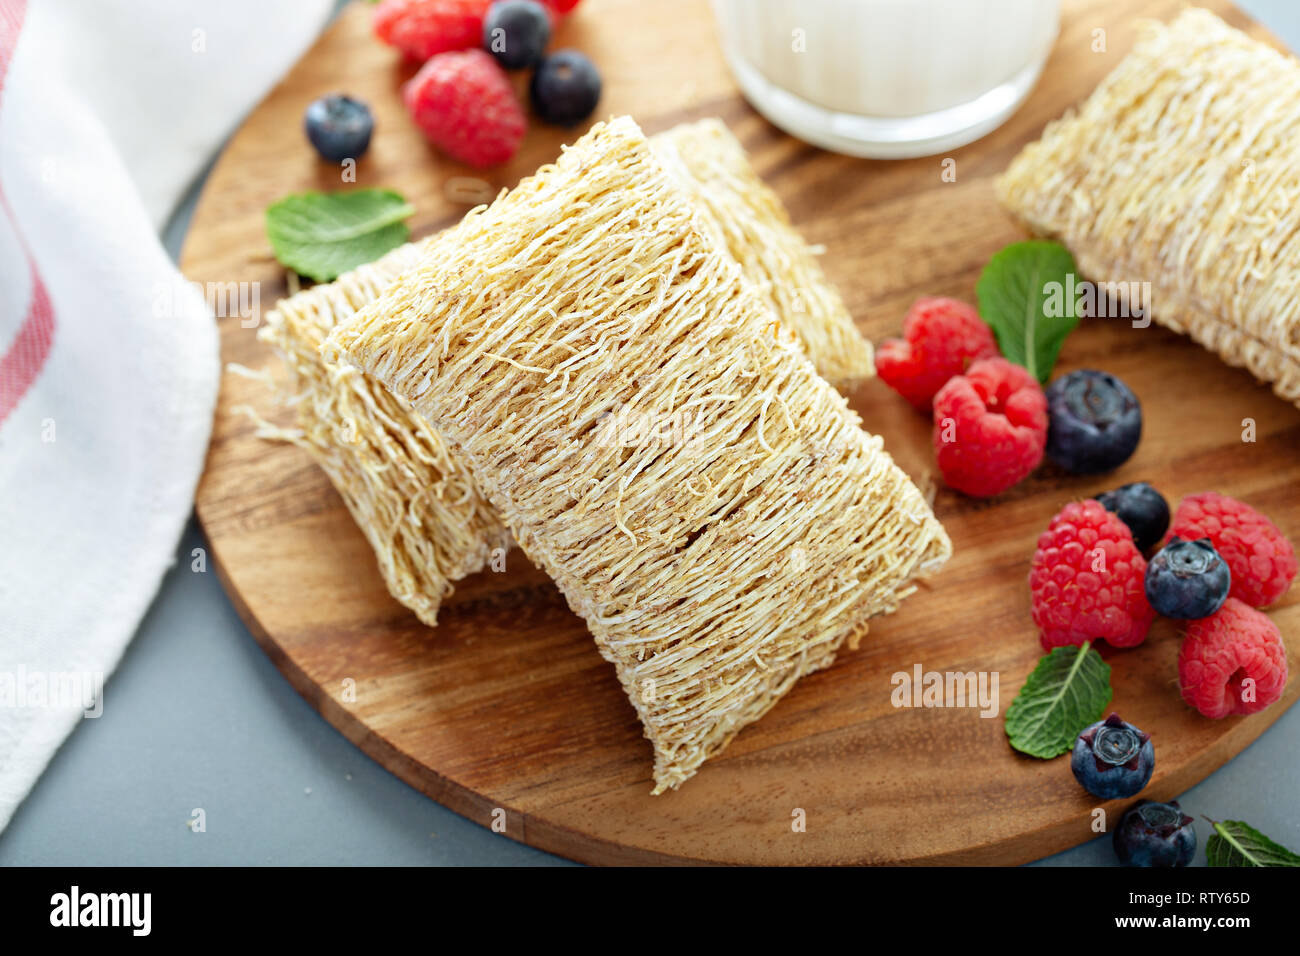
[
  {"x": 562, "y": 6},
  {"x": 423, "y": 28},
  {"x": 1086, "y": 580},
  {"x": 1261, "y": 559},
  {"x": 990, "y": 427},
  {"x": 1221, "y": 652},
  {"x": 464, "y": 104},
  {"x": 941, "y": 338}
]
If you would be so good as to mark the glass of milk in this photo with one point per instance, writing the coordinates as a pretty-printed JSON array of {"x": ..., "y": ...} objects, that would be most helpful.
[{"x": 887, "y": 78}]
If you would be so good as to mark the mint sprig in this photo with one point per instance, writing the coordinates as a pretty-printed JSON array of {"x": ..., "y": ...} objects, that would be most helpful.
[
  {"x": 323, "y": 235},
  {"x": 1234, "y": 843},
  {"x": 1067, "y": 691},
  {"x": 1027, "y": 298}
]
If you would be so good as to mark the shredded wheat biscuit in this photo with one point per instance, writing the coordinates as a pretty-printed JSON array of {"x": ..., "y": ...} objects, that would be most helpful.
[
  {"x": 1183, "y": 170},
  {"x": 416, "y": 504},
  {"x": 713, "y": 569},
  {"x": 750, "y": 221}
]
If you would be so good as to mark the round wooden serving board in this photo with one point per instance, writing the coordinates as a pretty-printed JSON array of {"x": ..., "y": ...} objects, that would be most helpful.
[{"x": 506, "y": 704}]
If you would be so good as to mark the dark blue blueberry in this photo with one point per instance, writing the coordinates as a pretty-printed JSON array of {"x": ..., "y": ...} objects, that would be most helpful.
[
  {"x": 565, "y": 88},
  {"x": 339, "y": 127},
  {"x": 516, "y": 32},
  {"x": 1096, "y": 422},
  {"x": 1155, "y": 834},
  {"x": 1113, "y": 759},
  {"x": 1142, "y": 508},
  {"x": 1187, "y": 580}
]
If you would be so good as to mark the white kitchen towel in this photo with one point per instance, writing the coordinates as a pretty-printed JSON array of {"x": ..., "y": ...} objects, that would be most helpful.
[{"x": 108, "y": 361}]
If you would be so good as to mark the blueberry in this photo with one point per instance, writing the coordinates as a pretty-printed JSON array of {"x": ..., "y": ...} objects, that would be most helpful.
[
  {"x": 1155, "y": 834},
  {"x": 1142, "y": 508},
  {"x": 1096, "y": 422},
  {"x": 1113, "y": 759},
  {"x": 339, "y": 127},
  {"x": 565, "y": 88},
  {"x": 1187, "y": 580},
  {"x": 516, "y": 32}
]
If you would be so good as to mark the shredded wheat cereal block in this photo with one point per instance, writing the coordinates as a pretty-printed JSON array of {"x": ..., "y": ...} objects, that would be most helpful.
[
  {"x": 714, "y": 564},
  {"x": 750, "y": 221},
  {"x": 416, "y": 504},
  {"x": 1183, "y": 170}
]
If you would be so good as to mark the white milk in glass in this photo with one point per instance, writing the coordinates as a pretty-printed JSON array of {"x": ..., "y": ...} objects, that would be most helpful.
[{"x": 887, "y": 78}]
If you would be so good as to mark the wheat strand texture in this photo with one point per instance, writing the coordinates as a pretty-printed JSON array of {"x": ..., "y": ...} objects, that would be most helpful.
[
  {"x": 417, "y": 506},
  {"x": 1183, "y": 170},
  {"x": 749, "y": 219},
  {"x": 714, "y": 567}
]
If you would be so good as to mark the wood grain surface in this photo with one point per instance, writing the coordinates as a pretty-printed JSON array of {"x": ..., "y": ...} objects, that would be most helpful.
[{"x": 506, "y": 706}]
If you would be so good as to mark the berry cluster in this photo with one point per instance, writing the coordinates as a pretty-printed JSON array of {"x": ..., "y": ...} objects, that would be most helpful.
[
  {"x": 990, "y": 417},
  {"x": 462, "y": 98},
  {"x": 1089, "y": 581},
  {"x": 1233, "y": 660},
  {"x": 1222, "y": 560},
  {"x": 993, "y": 423}
]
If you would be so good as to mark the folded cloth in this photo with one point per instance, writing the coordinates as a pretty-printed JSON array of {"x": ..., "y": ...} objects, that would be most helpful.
[{"x": 108, "y": 359}]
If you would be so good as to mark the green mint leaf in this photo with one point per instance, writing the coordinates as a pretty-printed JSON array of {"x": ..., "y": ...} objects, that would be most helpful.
[
  {"x": 323, "y": 235},
  {"x": 1234, "y": 843},
  {"x": 1068, "y": 690},
  {"x": 1027, "y": 296}
]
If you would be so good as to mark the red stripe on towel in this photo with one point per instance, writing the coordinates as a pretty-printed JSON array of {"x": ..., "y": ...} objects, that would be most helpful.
[{"x": 21, "y": 365}]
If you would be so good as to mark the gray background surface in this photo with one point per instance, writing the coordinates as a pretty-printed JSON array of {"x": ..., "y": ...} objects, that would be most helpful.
[{"x": 196, "y": 716}]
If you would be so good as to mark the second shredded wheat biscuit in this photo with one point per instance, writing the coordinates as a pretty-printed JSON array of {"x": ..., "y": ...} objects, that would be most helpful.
[{"x": 1182, "y": 170}]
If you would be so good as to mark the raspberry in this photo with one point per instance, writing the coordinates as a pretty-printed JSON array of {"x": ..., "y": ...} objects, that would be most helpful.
[
  {"x": 1086, "y": 580},
  {"x": 1261, "y": 559},
  {"x": 464, "y": 104},
  {"x": 423, "y": 28},
  {"x": 1222, "y": 652},
  {"x": 990, "y": 427},
  {"x": 941, "y": 338},
  {"x": 562, "y": 6}
]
